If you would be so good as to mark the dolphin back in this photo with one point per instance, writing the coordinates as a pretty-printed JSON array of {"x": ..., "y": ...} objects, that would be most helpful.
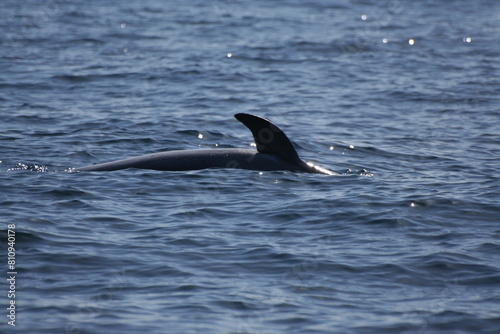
[
  {"x": 201, "y": 159},
  {"x": 274, "y": 152}
]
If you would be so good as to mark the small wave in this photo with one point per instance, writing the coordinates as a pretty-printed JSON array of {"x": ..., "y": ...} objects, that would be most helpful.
[
  {"x": 331, "y": 47},
  {"x": 29, "y": 167},
  {"x": 92, "y": 77}
]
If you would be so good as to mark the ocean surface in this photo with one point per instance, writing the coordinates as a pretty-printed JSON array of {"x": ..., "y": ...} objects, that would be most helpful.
[{"x": 401, "y": 98}]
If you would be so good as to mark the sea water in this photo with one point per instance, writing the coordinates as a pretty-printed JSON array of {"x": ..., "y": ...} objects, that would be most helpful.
[{"x": 401, "y": 98}]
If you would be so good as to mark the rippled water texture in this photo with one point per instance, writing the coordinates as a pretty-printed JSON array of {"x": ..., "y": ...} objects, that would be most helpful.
[{"x": 401, "y": 98}]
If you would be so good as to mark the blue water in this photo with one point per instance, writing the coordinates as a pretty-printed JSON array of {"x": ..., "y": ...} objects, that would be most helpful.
[{"x": 401, "y": 98}]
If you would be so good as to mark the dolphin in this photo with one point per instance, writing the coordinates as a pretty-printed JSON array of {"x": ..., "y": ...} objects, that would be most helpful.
[{"x": 274, "y": 151}]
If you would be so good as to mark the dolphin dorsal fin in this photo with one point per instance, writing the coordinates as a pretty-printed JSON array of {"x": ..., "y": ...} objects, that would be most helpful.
[{"x": 268, "y": 137}]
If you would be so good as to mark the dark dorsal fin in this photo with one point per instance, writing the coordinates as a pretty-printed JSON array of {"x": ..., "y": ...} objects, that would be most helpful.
[{"x": 268, "y": 137}]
